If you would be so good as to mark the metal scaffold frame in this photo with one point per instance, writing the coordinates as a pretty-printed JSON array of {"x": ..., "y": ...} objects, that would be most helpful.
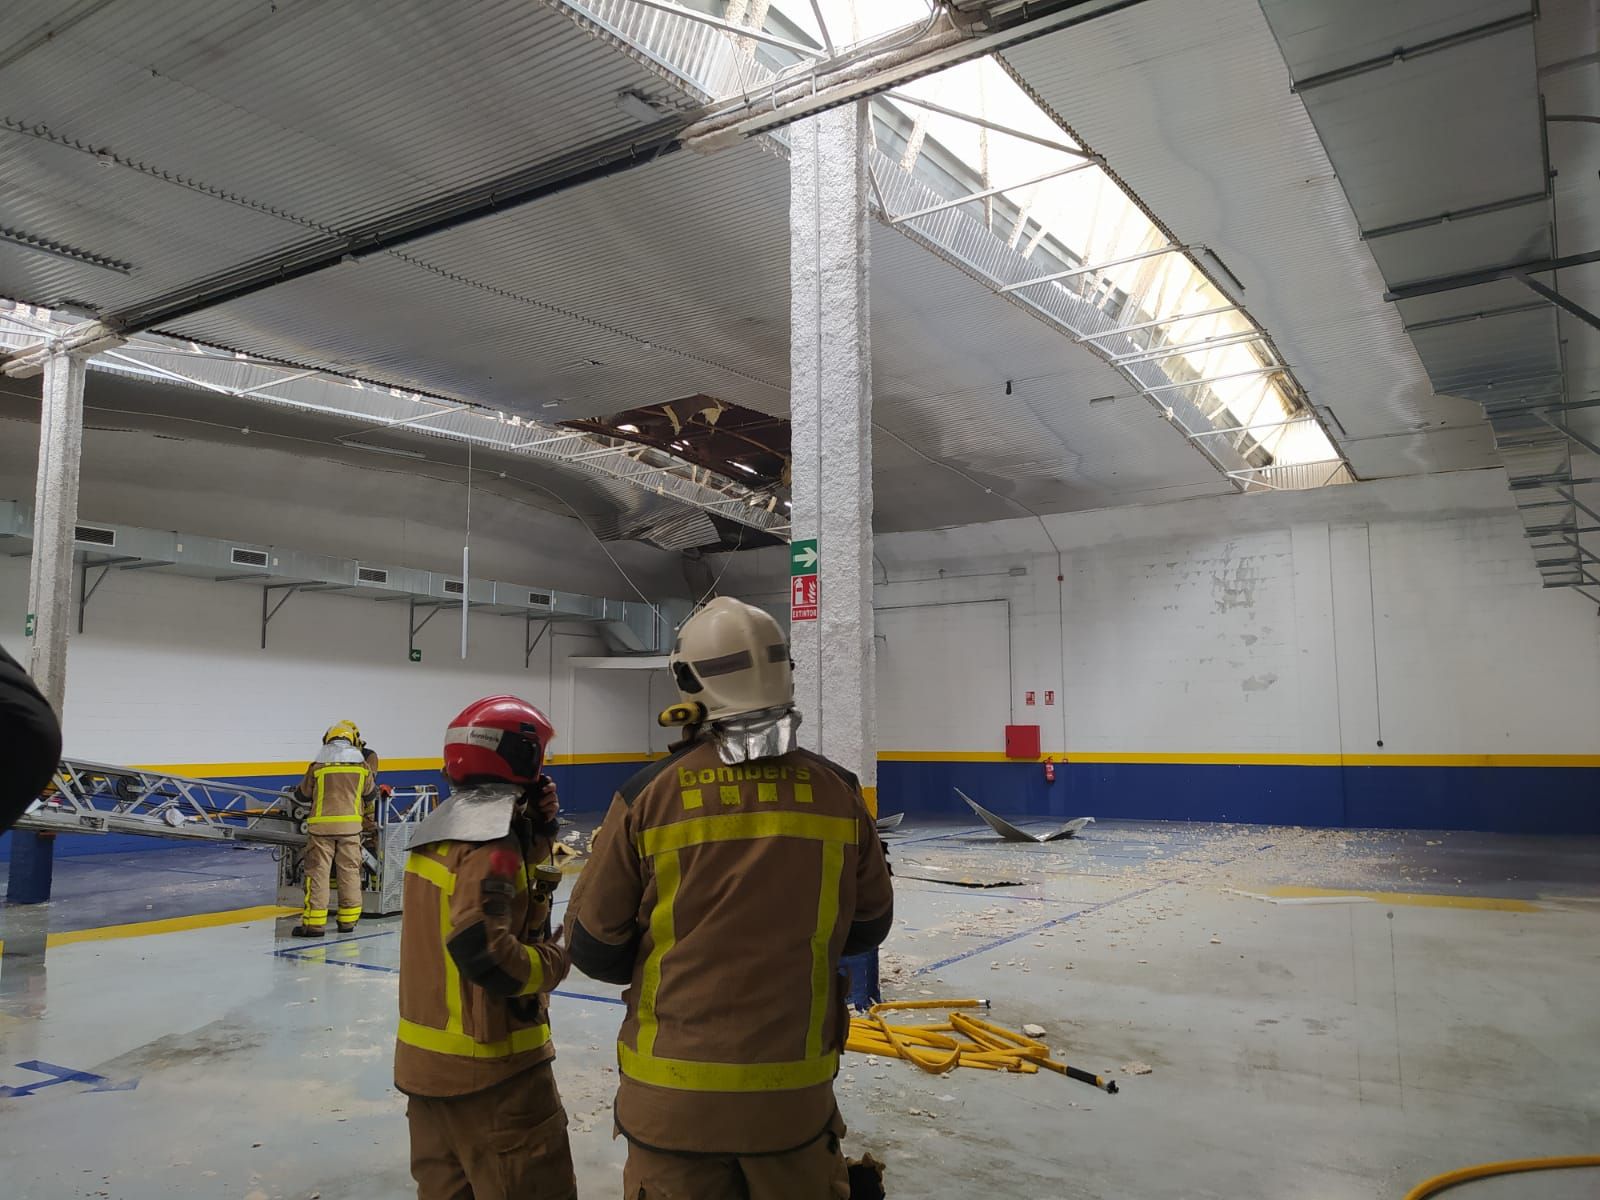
[{"x": 93, "y": 797}]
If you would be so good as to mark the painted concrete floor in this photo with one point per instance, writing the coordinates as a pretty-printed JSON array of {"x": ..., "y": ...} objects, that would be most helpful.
[{"x": 1302, "y": 1045}]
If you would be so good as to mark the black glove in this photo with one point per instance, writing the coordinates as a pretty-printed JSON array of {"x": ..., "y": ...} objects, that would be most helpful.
[{"x": 550, "y": 826}]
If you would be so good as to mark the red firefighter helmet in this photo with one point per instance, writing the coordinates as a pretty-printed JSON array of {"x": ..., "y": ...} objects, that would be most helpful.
[{"x": 500, "y": 738}]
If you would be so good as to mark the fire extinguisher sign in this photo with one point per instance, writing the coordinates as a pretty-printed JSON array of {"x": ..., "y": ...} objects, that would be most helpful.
[{"x": 804, "y": 599}]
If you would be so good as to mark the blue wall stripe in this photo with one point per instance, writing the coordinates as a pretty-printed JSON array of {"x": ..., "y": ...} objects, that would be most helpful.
[{"x": 1543, "y": 800}]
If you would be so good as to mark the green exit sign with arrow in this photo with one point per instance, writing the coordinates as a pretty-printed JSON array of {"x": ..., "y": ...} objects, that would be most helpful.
[{"x": 803, "y": 592}]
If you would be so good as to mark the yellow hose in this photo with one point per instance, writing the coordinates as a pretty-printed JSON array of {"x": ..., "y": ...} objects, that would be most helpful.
[{"x": 1432, "y": 1187}]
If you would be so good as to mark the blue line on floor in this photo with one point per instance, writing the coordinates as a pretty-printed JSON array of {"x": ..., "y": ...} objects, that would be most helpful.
[
  {"x": 305, "y": 956},
  {"x": 295, "y": 951},
  {"x": 1062, "y": 920},
  {"x": 617, "y": 1000},
  {"x": 996, "y": 943}
]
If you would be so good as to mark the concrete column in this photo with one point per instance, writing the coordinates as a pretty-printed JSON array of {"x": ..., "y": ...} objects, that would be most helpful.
[
  {"x": 831, "y": 415},
  {"x": 55, "y": 516}
]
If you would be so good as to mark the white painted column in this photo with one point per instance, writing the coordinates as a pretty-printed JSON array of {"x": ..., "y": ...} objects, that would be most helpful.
[
  {"x": 831, "y": 403},
  {"x": 55, "y": 517}
]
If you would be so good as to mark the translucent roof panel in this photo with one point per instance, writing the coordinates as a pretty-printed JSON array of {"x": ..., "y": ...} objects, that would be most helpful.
[{"x": 969, "y": 164}]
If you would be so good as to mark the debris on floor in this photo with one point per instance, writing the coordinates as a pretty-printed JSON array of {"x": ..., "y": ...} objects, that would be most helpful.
[{"x": 1137, "y": 1068}]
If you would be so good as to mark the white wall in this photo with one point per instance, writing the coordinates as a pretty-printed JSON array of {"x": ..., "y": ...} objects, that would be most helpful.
[
  {"x": 1290, "y": 623},
  {"x": 170, "y": 669}
]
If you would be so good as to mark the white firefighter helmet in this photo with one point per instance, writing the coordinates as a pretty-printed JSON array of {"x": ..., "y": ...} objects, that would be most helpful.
[{"x": 733, "y": 658}]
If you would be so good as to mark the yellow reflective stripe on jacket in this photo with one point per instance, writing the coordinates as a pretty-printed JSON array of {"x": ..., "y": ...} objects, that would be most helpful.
[
  {"x": 535, "y": 982},
  {"x": 432, "y": 870},
  {"x": 661, "y": 844},
  {"x": 445, "y": 1041},
  {"x": 737, "y": 827},
  {"x": 821, "y": 938},
  {"x": 435, "y": 872},
  {"x": 663, "y": 936},
  {"x": 726, "y": 1077},
  {"x": 452, "y": 1039},
  {"x": 322, "y": 773}
]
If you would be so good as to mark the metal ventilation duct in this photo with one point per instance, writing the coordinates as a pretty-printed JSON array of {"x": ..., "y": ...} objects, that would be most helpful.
[{"x": 628, "y": 626}]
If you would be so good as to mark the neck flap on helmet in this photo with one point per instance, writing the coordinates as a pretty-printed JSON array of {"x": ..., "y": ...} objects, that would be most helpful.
[{"x": 770, "y": 733}]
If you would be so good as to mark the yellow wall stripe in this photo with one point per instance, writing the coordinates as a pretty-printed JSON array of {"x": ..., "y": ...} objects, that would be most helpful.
[
  {"x": 242, "y": 770},
  {"x": 1137, "y": 758},
  {"x": 1411, "y": 899}
]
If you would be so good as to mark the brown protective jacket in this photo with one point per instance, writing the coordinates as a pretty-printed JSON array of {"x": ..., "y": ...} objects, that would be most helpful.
[
  {"x": 341, "y": 793},
  {"x": 724, "y": 897},
  {"x": 475, "y": 968}
]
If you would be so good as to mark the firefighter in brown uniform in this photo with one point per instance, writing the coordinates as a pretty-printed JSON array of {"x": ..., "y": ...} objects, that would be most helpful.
[
  {"x": 477, "y": 962},
  {"x": 722, "y": 888},
  {"x": 341, "y": 787}
]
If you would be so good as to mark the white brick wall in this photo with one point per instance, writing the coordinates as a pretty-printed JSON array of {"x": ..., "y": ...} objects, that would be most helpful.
[{"x": 1247, "y": 625}]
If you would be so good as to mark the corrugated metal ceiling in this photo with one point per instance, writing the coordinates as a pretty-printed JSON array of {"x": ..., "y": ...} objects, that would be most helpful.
[
  {"x": 234, "y": 129},
  {"x": 189, "y": 138},
  {"x": 670, "y": 280},
  {"x": 1442, "y": 152},
  {"x": 1241, "y": 170}
]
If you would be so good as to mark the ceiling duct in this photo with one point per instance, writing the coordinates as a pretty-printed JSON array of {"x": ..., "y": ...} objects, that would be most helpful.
[{"x": 628, "y": 626}]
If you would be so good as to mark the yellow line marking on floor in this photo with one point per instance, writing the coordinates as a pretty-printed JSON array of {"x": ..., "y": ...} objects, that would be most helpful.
[
  {"x": 109, "y": 933},
  {"x": 1413, "y": 899}
]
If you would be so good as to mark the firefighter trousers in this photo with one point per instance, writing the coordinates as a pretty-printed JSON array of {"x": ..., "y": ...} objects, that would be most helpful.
[
  {"x": 322, "y": 854},
  {"x": 507, "y": 1142},
  {"x": 813, "y": 1172}
]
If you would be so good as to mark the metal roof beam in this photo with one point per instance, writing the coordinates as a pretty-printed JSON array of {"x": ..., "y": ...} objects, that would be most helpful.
[
  {"x": 1566, "y": 303},
  {"x": 1204, "y": 345},
  {"x": 1402, "y": 54},
  {"x": 743, "y": 31},
  {"x": 1091, "y": 268},
  {"x": 1194, "y": 316},
  {"x": 1451, "y": 283},
  {"x": 1509, "y": 310},
  {"x": 528, "y": 183},
  {"x": 994, "y": 191},
  {"x": 981, "y": 122},
  {"x": 1460, "y": 214},
  {"x": 1172, "y": 387},
  {"x": 886, "y": 63},
  {"x": 1571, "y": 434}
]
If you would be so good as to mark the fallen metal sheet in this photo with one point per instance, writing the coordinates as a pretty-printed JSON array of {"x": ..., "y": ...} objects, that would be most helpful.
[
  {"x": 885, "y": 824},
  {"x": 1011, "y": 833}
]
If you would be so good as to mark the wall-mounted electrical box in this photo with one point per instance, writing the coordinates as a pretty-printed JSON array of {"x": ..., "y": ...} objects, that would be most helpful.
[{"x": 1022, "y": 741}]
